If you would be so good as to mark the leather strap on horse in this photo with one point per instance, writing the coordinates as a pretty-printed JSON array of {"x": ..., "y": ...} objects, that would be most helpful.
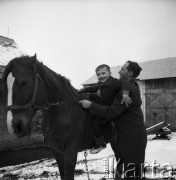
[
  {"x": 30, "y": 105},
  {"x": 87, "y": 170},
  {"x": 35, "y": 89}
]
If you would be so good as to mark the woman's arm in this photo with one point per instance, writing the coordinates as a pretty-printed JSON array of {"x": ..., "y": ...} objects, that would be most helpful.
[{"x": 108, "y": 112}]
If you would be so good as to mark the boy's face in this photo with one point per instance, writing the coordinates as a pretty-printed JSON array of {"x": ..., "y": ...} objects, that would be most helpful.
[{"x": 103, "y": 74}]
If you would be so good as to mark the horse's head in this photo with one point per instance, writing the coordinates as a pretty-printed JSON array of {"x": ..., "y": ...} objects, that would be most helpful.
[{"x": 24, "y": 92}]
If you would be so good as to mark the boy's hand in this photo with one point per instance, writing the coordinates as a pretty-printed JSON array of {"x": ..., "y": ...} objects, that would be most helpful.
[
  {"x": 126, "y": 100},
  {"x": 98, "y": 93},
  {"x": 85, "y": 103}
]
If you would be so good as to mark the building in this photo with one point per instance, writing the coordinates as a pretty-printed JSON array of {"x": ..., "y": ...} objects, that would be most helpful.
[
  {"x": 9, "y": 50},
  {"x": 157, "y": 83}
]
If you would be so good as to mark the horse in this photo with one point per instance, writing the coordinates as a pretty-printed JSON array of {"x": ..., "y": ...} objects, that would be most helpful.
[{"x": 67, "y": 127}]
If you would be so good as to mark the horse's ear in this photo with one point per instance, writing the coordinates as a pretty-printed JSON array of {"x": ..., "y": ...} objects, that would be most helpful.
[
  {"x": 35, "y": 56},
  {"x": 34, "y": 59}
]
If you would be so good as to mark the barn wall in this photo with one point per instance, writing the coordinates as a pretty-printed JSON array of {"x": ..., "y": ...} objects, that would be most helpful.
[
  {"x": 142, "y": 91},
  {"x": 160, "y": 97},
  {"x": 1, "y": 108}
]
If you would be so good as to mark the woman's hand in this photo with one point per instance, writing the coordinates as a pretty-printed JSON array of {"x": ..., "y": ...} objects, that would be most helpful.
[{"x": 126, "y": 100}]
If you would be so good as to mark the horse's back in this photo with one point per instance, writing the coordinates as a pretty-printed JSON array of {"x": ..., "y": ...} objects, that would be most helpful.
[{"x": 74, "y": 123}]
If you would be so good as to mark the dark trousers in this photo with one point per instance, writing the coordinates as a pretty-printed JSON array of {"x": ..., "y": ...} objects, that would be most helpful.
[
  {"x": 97, "y": 125},
  {"x": 133, "y": 162}
]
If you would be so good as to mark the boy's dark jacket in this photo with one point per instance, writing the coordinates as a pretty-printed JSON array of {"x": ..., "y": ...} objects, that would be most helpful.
[{"x": 108, "y": 89}]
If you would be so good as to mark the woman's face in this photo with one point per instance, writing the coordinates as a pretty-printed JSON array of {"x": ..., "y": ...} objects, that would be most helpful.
[{"x": 124, "y": 73}]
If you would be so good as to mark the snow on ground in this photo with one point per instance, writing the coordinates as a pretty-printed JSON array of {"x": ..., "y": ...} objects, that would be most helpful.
[
  {"x": 163, "y": 151},
  {"x": 159, "y": 151}
]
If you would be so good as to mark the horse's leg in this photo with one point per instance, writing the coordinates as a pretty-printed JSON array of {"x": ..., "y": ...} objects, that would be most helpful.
[
  {"x": 60, "y": 161},
  {"x": 58, "y": 153},
  {"x": 118, "y": 156},
  {"x": 70, "y": 157}
]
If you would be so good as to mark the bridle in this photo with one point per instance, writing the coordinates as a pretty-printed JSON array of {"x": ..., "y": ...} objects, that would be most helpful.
[{"x": 31, "y": 104}]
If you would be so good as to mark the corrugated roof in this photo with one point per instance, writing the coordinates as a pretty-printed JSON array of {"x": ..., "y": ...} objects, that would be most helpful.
[
  {"x": 8, "y": 50},
  {"x": 6, "y": 41},
  {"x": 155, "y": 69}
]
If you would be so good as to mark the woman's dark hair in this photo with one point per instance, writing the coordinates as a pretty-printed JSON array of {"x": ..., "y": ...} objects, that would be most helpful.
[{"x": 134, "y": 66}]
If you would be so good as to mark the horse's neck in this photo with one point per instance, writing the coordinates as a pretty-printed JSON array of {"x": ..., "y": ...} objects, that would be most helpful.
[
  {"x": 58, "y": 88},
  {"x": 61, "y": 92}
]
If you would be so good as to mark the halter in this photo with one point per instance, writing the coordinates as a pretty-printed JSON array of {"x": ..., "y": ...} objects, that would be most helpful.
[{"x": 31, "y": 104}]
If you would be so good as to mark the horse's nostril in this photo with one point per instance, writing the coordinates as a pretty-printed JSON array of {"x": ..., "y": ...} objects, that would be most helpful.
[{"x": 18, "y": 127}]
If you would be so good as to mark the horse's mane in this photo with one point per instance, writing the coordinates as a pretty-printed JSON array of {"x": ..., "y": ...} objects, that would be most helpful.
[
  {"x": 49, "y": 76},
  {"x": 52, "y": 78}
]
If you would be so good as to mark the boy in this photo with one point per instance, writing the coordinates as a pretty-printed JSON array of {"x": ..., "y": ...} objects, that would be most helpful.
[{"x": 103, "y": 92}]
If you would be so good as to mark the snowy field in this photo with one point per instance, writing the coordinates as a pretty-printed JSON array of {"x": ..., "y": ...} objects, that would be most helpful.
[{"x": 161, "y": 152}]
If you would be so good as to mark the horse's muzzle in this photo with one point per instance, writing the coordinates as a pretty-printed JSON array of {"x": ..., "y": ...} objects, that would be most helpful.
[{"x": 21, "y": 126}]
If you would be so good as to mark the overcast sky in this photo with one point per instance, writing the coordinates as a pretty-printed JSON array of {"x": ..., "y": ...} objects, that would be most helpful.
[{"x": 72, "y": 37}]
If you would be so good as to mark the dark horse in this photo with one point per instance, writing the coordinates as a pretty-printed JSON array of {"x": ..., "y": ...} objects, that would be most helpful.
[{"x": 67, "y": 127}]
